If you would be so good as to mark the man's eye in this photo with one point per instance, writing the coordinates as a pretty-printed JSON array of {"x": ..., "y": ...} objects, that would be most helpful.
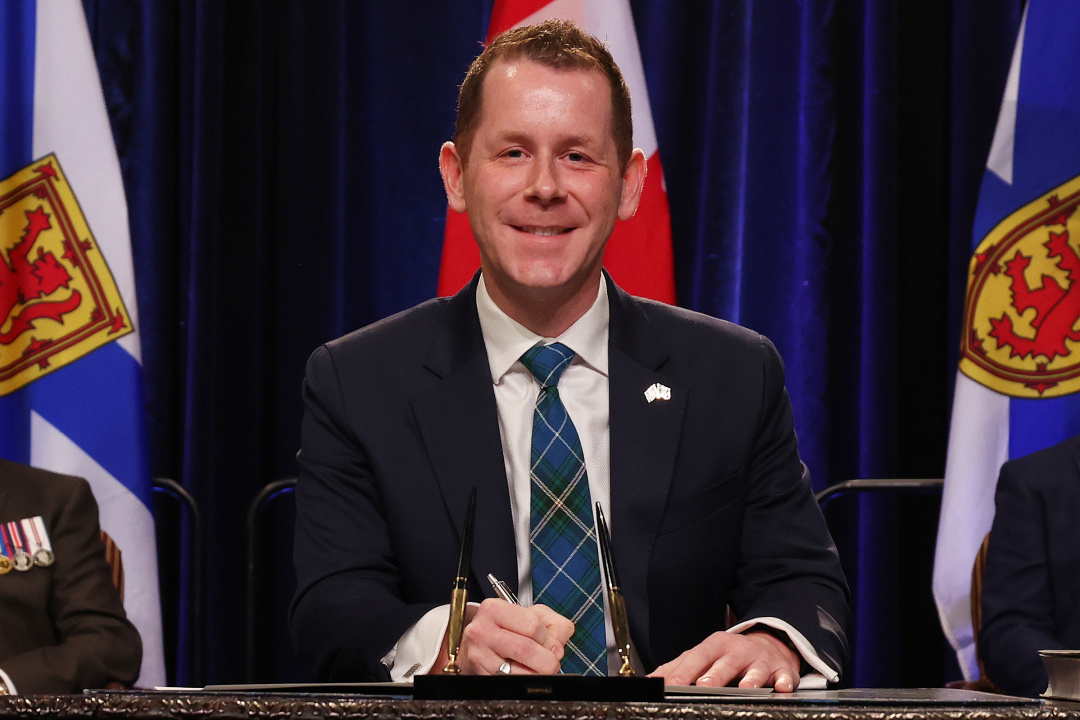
[
  {"x": 515, "y": 154},
  {"x": 575, "y": 157}
]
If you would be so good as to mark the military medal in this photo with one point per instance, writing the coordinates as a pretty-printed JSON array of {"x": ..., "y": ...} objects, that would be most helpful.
[
  {"x": 5, "y": 561},
  {"x": 22, "y": 560},
  {"x": 19, "y": 557},
  {"x": 38, "y": 541}
]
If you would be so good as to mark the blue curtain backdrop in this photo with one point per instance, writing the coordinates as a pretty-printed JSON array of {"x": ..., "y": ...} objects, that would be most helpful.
[{"x": 822, "y": 160}]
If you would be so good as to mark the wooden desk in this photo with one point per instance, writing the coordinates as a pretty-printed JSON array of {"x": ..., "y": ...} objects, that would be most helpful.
[{"x": 199, "y": 706}]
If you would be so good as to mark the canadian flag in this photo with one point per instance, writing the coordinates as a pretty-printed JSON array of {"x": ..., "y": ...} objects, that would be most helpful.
[{"x": 638, "y": 255}]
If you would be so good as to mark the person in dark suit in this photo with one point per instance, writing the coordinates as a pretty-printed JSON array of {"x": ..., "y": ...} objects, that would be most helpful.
[
  {"x": 62, "y": 625},
  {"x": 1031, "y": 582},
  {"x": 684, "y": 420}
]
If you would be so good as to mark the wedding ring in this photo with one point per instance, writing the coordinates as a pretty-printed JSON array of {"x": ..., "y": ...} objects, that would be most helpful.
[{"x": 504, "y": 669}]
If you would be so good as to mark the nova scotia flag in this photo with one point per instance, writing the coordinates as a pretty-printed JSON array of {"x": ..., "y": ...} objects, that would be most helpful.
[
  {"x": 1017, "y": 389},
  {"x": 70, "y": 372}
]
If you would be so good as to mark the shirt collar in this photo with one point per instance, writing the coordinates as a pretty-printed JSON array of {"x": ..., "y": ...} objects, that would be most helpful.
[{"x": 506, "y": 339}]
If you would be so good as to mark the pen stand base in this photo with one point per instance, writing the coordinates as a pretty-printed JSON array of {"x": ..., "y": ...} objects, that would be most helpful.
[{"x": 538, "y": 687}]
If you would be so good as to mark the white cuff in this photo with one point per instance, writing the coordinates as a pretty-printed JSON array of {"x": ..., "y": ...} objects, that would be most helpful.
[
  {"x": 417, "y": 650},
  {"x": 802, "y": 645}
]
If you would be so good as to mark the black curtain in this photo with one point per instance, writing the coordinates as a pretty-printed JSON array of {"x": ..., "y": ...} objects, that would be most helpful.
[{"x": 822, "y": 161}]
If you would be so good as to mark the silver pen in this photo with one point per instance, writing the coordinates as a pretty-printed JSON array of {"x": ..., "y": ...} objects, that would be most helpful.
[{"x": 503, "y": 590}]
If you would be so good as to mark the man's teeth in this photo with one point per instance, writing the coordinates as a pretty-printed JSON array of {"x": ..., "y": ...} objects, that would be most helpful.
[{"x": 543, "y": 232}]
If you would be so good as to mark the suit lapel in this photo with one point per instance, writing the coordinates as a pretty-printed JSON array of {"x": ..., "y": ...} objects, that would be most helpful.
[
  {"x": 459, "y": 424},
  {"x": 644, "y": 439},
  {"x": 458, "y": 421}
]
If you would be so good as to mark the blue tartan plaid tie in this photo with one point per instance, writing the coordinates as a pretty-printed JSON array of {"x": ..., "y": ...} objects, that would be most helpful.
[{"x": 565, "y": 566}]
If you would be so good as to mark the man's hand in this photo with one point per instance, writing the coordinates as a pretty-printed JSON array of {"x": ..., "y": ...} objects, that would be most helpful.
[
  {"x": 755, "y": 659},
  {"x": 532, "y": 639}
]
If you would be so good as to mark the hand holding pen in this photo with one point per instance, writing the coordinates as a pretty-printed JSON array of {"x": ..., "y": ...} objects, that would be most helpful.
[
  {"x": 499, "y": 633},
  {"x": 505, "y": 638},
  {"x": 503, "y": 590}
]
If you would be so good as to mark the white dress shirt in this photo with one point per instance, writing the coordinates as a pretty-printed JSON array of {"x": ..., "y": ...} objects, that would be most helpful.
[{"x": 583, "y": 389}]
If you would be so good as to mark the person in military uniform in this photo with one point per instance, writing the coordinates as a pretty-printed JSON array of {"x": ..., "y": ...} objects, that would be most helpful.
[{"x": 62, "y": 623}]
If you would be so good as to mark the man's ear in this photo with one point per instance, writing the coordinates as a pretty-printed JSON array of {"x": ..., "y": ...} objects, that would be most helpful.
[
  {"x": 633, "y": 182},
  {"x": 451, "y": 169}
]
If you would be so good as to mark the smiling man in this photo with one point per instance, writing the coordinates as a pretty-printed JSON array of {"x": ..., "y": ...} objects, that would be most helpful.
[
  {"x": 548, "y": 389},
  {"x": 543, "y": 180}
]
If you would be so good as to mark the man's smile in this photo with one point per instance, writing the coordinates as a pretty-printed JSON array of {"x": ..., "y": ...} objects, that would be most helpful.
[{"x": 542, "y": 231}]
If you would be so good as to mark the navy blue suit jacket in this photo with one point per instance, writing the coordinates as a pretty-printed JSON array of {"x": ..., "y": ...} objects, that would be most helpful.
[
  {"x": 1031, "y": 584},
  {"x": 709, "y": 501}
]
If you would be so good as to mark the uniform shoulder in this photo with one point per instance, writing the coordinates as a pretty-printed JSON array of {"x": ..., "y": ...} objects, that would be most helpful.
[{"x": 33, "y": 483}]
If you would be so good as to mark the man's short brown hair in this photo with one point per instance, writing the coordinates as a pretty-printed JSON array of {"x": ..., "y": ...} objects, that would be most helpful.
[{"x": 556, "y": 44}]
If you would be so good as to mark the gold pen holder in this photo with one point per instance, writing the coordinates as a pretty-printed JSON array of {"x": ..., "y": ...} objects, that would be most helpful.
[
  {"x": 620, "y": 626},
  {"x": 458, "y": 601}
]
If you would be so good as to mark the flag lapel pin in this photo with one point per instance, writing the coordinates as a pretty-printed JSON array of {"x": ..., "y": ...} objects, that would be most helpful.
[{"x": 658, "y": 391}]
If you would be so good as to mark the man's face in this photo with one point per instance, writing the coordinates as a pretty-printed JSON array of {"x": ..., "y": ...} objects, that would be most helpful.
[{"x": 542, "y": 183}]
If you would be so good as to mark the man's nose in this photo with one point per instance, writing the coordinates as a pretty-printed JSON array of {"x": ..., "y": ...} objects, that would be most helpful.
[{"x": 546, "y": 185}]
